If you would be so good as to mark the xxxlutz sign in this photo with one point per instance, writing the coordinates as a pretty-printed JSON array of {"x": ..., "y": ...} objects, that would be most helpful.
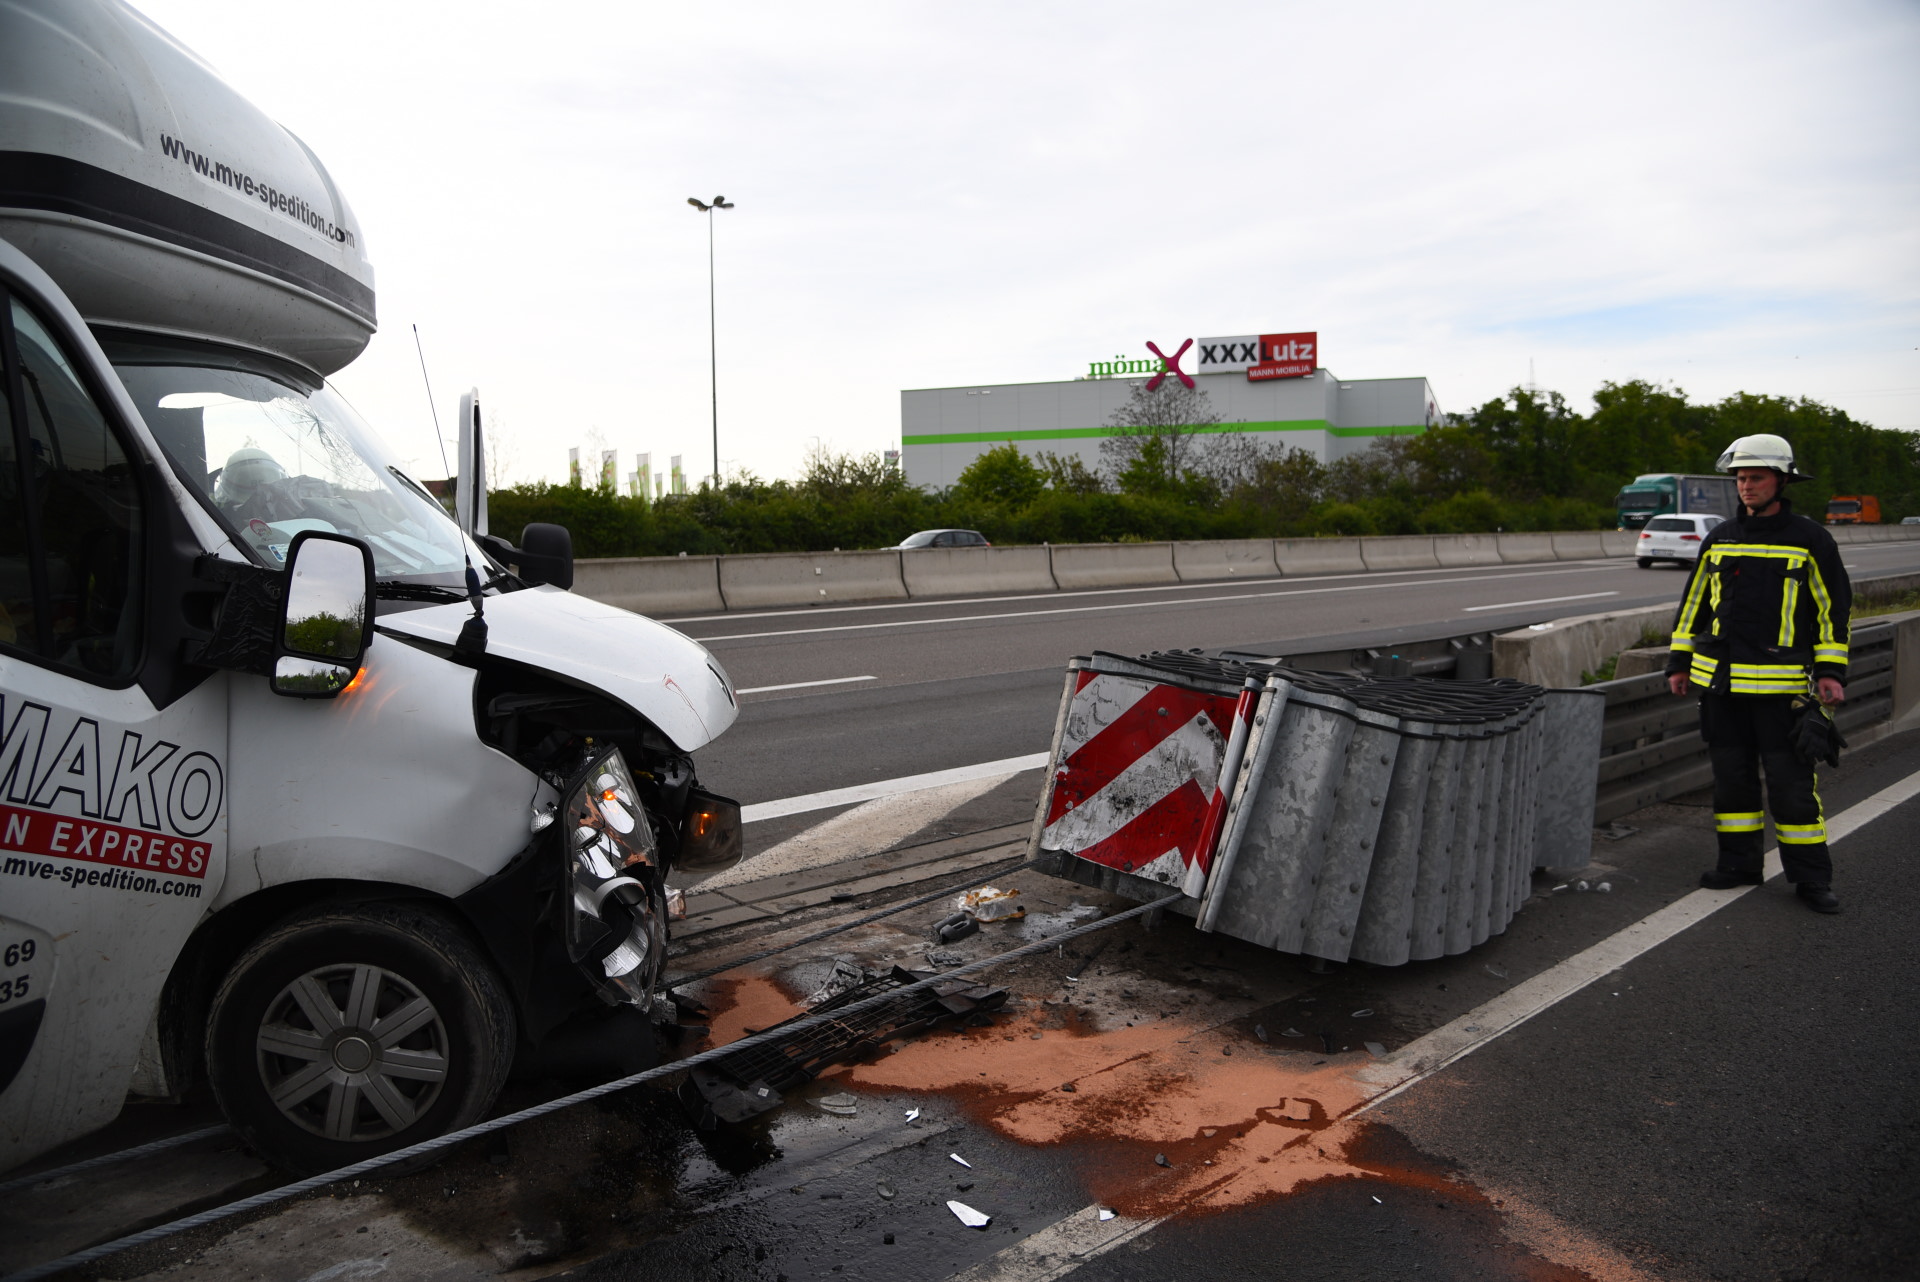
[{"x": 1259, "y": 356}]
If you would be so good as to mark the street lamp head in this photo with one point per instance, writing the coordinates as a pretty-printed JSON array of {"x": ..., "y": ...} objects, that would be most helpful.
[
  {"x": 698, "y": 204},
  {"x": 721, "y": 202}
]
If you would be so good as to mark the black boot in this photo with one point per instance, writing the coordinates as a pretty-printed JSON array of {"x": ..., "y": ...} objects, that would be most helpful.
[
  {"x": 1819, "y": 898},
  {"x": 1722, "y": 879}
]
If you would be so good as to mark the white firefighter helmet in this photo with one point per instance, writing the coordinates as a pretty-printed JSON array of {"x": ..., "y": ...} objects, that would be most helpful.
[
  {"x": 1761, "y": 450},
  {"x": 246, "y": 471}
]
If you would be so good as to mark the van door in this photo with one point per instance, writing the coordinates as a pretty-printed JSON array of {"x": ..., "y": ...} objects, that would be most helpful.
[{"x": 112, "y": 796}]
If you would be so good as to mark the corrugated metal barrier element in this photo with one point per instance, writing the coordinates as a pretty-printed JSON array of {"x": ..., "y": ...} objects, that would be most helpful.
[{"x": 1388, "y": 820}]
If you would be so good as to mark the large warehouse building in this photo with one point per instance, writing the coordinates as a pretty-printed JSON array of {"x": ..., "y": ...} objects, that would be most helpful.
[{"x": 1267, "y": 383}]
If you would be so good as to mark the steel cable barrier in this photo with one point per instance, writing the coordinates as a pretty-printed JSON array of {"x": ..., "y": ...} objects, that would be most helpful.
[{"x": 1332, "y": 815}]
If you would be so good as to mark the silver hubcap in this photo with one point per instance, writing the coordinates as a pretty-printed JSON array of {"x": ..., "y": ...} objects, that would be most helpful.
[{"x": 352, "y": 1052}]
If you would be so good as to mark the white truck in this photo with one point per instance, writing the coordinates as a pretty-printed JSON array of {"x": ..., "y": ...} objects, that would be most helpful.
[{"x": 304, "y": 787}]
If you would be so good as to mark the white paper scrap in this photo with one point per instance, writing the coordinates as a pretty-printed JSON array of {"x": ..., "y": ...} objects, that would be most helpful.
[{"x": 968, "y": 1216}]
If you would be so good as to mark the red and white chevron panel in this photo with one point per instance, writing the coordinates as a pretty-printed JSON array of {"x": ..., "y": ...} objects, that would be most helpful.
[{"x": 1136, "y": 773}]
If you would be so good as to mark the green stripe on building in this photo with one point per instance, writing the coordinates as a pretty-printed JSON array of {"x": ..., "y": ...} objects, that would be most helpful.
[{"x": 1087, "y": 433}]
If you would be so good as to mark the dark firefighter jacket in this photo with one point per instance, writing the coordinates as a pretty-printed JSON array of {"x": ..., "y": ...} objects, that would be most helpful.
[{"x": 1768, "y": 601}]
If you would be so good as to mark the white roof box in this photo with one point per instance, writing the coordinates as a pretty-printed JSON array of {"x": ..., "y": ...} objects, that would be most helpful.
[{"x": 162, "y": 200}]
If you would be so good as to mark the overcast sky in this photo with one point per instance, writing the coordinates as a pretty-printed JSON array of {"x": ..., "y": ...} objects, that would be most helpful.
[{"x": 1721, "y": 196}]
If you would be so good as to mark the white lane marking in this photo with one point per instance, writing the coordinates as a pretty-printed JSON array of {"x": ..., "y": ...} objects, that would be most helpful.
[
  {"x": 1086, "y": 609},
  {"x": 801, "y": 685},
  {"x": 1545, "y": 600},
  {"x": 928, "y": 603},
  {"x": 889, "y": 787},
  {"x": 1422, "y": 1058},
  {"x": 867, "y": 829},
  {"x": 1058, "y": 1249}
]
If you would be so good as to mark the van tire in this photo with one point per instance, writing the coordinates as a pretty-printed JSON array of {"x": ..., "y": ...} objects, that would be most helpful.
[{"x": 449, "y": 1055}]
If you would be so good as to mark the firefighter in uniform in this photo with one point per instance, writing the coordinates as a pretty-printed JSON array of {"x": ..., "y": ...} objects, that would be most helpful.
[{"x": 1761, "y": 632}]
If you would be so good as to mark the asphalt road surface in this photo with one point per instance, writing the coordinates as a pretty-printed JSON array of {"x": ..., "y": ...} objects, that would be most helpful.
[
  {"x": 950, "y": 683},
  {"x": 1738, "y": 1101}
]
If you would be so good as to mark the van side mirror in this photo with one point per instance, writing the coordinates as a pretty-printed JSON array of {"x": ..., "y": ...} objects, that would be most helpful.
[
  {"x": 546, "y": 555},
  {"x": 326, "y": 616}
]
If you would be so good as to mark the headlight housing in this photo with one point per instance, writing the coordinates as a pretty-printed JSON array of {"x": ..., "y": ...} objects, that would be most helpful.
[{"x": 616, "y": 927}]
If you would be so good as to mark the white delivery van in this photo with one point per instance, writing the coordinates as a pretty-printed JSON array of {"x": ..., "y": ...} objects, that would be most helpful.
[{"x": 303, "y": 786}]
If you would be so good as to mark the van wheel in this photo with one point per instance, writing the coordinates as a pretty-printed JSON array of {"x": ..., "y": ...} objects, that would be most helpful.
[
  {"x": 353, "y": 1031},
  {"x": 1644, "y": 562}
]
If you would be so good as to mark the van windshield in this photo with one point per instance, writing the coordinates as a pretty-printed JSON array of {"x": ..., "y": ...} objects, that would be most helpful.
[{"x": 274, "y": 453}]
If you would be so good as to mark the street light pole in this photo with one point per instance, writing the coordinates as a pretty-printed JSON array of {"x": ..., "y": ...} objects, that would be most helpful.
[{"x": 713, "y": 344}]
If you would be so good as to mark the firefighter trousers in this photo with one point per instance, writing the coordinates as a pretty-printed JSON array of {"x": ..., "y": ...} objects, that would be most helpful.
[{"x": 1746, "y": 736}]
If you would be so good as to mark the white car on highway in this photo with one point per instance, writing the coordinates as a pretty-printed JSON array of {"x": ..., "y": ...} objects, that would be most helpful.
[{"x": 1673, "y": 538}]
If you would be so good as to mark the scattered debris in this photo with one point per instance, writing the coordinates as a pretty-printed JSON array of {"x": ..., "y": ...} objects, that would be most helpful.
[
  {"x": 1107, "y": 1213},
  {"x": 991, "y": 904},
  {"x": 945, "y": 959},
  {"x": 1291, "y": 1032},
  {"x": 1561, "y": 886},
  {"x": 1069, "y": 1088},
  {"x": 1363, "y": 1012},
  {"x": 1614, "y": 832},
  {"x": 841, "y": 897},
  {"x": 1260, "y": 1031},
  {"x": 1580, "y": 885},
  {"x": 968, "y": 1216},
  {"x": 1377, "y": 1200},
  {"x": 748, "y": 1083},
  {"x": 843, "y": 978},
  {"x": 1604, "y": 887},
  {"x": 887, "y": 1240},
  {"x": 886, "y": 1191},
  {"x": 1495, "y": 971},
  {"x": 964, "y": 1188},
  {"x": 1297, "y": 1110},
  {"x": 838, "y": 1105},
  {"x": 963, "y": 1161},
  {"x": 1160, "y": 1159},
  {"x": 1375, "y": 1049},
  {"x": 676, "y": 904},
  {"x": 913, "y": 1115},
  {"x": 958, "y": 926}
]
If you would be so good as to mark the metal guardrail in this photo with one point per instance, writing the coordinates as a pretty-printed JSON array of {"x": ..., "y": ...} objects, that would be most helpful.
[{"x": 1650, "y": 746}]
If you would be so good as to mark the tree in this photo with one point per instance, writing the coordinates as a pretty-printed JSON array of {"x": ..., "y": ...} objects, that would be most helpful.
[
  {"x": 1068, "y": 475},
  {"x": 1002, "y": 475},
  {"x": 1156, "y": 437}
]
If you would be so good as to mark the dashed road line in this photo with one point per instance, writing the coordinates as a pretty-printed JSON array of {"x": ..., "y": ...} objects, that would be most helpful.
[{"x": 802, "y": 685}]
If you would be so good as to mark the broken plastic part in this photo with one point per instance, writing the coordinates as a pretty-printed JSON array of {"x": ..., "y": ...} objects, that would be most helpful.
[
  {"x": 968, "y": 1216},
  {"x": 1291, "y": 1032},
  {"x": 676, "y": 904},
  {"x": 1363, "y": 1012},
  {"x": 1160, "y": 1159},
  {"x": 963, "y": 1161},
  {"x": 1375, "y": 1049},
  {"x": 913, "y": 1114},
  {"x": 886, "y": 1191},
  {"x": 1260, "y": 1031},
  {"x": 1107, "y": 1213},
  {"x": 838, "y": 1105},
  {"x": 1604, "y": 887},
  {"x": 989, "y": 903},
  {"x": 1495, "y": 971}
]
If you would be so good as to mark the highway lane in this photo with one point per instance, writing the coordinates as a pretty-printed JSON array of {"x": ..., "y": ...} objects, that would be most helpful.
[{"x": 955, "y": 682}]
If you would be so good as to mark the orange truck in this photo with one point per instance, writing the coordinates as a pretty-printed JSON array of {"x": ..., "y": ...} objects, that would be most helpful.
[{"x": 1853, "y": 509}]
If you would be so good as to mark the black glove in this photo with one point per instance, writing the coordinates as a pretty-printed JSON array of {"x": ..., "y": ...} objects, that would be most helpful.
[{"x": 1814, "y": 736}]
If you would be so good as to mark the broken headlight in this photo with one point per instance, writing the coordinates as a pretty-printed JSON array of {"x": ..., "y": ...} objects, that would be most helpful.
[{"x": 616, "y": 929}]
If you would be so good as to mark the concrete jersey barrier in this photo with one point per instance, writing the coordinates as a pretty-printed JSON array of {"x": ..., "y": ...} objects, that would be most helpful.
[
  {"x": 808, "y": 578},
  {"x": 1112, "y": 565},
  {"x": 1454, "y": 550},
  {"x": 673, "y": 585},
  {"x": 1520, "y": 549},
  {"x": 652, "y": 584},
  {"x": 1198, "y": 560},
  {"x": 1399, "y": 552},
  {"x": 955, "y": 571},
  {"x": 1577, "y": 545},
  {"x": 1319, "y": 556}
]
